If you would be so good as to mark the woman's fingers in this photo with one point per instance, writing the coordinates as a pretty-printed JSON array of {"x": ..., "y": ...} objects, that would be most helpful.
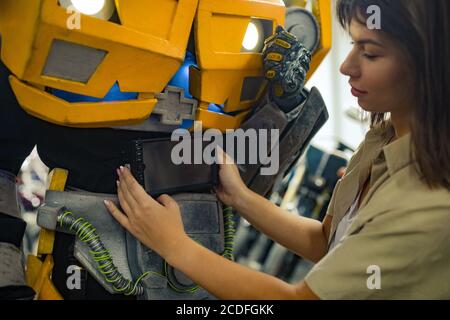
[
  {"x": 133, "y": 189},
  {"x": 117, "y": 214},
  {"x": 123, "y": 201},
  {"x": 223, "y": 157},
  {"x": 167, "y": 201},
  {"x": 125, "y": 195},
  {"x": 220, "y": 155}
]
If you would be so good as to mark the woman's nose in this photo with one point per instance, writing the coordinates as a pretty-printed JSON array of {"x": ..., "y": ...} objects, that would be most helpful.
[{"x": 350, "y": 66}]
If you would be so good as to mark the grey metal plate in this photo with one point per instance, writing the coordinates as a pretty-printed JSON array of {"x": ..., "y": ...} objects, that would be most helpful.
[
  {"x": 202, "y": 216},
  {"x": 72, "y": 61},
  {"x": 92, "y": 209},
  {"x": 8, "y": 195}
]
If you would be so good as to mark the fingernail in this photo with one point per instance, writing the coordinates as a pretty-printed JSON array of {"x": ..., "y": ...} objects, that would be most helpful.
[
  {"x": 122, "y": 169},
  {"x": 106, "y": 202},
  {"x": 117, "y": 182}
]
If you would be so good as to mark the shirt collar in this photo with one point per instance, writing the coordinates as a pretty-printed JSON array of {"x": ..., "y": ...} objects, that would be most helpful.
[
  {"x": 376, "y": 138},
  {"x": 399, "y": 154}
]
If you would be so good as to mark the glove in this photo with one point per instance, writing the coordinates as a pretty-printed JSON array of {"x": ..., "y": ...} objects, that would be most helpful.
[{"x": 286, "y": 63}]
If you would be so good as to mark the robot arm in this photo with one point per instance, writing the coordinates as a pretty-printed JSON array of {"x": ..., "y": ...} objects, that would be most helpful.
[
  {"x": 295, "y": 112},
  {"x": 286, "y": 63}
]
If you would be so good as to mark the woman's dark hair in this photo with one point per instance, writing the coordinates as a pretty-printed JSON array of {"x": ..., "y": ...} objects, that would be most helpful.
[{"x": 422, "y": 29}]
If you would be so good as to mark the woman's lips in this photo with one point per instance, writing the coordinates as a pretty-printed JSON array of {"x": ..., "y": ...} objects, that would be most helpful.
[{"x": 358, "y": 93}]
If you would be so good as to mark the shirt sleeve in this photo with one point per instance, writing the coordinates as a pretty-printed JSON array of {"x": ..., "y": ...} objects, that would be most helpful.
[{"x": 389, "y": 257}]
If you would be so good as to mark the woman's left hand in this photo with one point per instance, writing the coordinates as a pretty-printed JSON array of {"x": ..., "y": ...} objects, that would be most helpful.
[{"x": 155, "y": 223}]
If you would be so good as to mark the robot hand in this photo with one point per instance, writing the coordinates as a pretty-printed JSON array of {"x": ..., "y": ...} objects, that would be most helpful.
[{"x": 286, "y": 63}]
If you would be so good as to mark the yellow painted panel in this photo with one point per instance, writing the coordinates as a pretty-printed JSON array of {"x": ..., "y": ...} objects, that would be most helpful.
[
  {"x": 229, "y": 32},
  {"x": 49, "y": 291},
  {"x": 140, "y": 62},
  {"x": 39, "y": 273},
  {"x": 152, "y": 17},
  {"x": 56, "y": 180},
  {"x": 34, "y": 264},
  {"x": 166, "y": 19},
  {"x": 46, "y": 241},
  {"x": 17, "y": 21},
  {"x": 322, "y": 11},
  {"x": 231, "y": 81},
  {"x": 101, "y": 114},
  {"x": 223, "y": 67},
  {"x": 222, "y": 122},
  {"x": 42, "y": 283}
]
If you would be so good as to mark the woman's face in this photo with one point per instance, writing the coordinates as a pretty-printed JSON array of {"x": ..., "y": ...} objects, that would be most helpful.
[{"x": 378, "y": 71}]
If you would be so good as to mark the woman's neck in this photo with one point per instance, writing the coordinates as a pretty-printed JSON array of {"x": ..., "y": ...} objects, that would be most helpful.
[{"x": 401, "y": 124}]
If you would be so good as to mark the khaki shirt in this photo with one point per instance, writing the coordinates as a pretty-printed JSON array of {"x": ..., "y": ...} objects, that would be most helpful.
[{"x": 398, "y": 245}]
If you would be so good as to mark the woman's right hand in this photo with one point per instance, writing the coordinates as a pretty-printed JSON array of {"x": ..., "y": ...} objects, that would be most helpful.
[{"x": 231, "y": 189}]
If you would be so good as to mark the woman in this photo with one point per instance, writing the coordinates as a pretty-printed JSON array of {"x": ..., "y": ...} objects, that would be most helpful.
[{"x": 386, "y": 234}]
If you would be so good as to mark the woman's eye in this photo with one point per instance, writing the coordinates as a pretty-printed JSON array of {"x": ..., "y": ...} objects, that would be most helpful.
[
  {"x": 364, "y": 54},
  {"x": 370, "y": 56}
]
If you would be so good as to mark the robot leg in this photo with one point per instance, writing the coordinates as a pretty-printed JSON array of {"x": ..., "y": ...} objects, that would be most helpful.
[
  {"x": 12, "y": 229},
  {"x": 119, "y": 262},
  {"x": 16, "y": 141}
]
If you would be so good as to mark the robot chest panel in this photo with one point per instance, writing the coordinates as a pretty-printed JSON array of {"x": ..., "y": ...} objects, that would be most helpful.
[{"x": 138, "y": 46}]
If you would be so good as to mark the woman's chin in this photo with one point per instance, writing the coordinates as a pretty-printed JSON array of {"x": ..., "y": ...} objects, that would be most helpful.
[
  {"x": 369, "y": 107},
  {"x": 365, "y": 107}
]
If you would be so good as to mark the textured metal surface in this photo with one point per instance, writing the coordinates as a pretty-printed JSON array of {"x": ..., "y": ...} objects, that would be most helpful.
[
  {"x": 174, "y": 107},
  {"x": 295, "y": 135},
  {"x": 203, "y": 221},
  {"x": 151, "y": 124},
  {"x": 295, "y": 139},
  {"x": 91, "y": 208},
  {"x": 47, "y": 216},
  {"x": 72, "y": 61},
  {"x": 286, "y": 65},
  {"x": 267, "y": 118},
  {"x": 11, "y": 266},
  {"x": 9, "y": 204}
]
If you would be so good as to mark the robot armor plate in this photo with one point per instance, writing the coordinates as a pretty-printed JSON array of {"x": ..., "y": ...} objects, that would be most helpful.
[
  {"x": 11, "y": 266},
  {"x": 42, "y": 53},
  {"x": 9, "y": 203},
  {"x": 168, "y": 114},
  {"x": 130, "y": 257},
  {"x": 227, "y": 73},
  {"x": 294, "y": 138}
]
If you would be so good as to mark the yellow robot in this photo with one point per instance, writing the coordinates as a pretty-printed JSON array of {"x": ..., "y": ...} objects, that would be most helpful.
[{"x": 86, "y": 77}]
